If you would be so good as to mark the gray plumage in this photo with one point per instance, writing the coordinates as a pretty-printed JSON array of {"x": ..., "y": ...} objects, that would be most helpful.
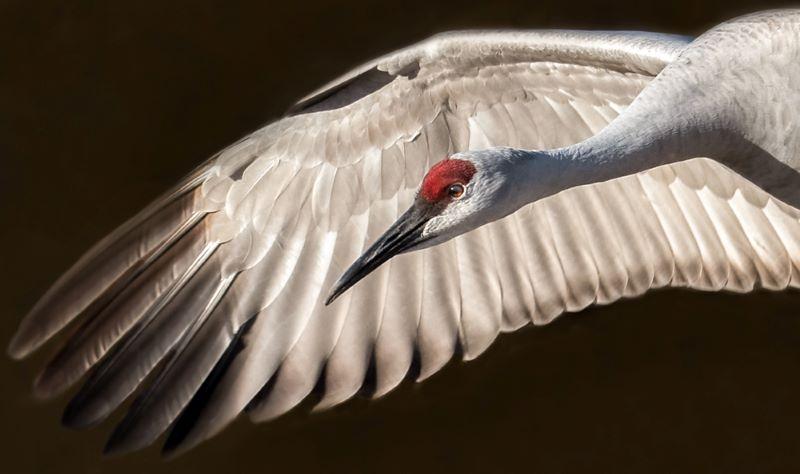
[{"x": 213, "y": 297}]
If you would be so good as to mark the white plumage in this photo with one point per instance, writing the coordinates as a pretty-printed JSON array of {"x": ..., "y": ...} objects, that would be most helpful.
[{"x": 223, "y": 281}]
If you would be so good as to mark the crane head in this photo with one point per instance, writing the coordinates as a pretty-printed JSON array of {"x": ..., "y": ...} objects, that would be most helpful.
[{"x": 458, "y": 194}]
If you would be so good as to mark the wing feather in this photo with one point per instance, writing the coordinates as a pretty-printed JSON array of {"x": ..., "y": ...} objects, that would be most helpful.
[
  {"x": 197, "y": 352},
  {"x": 569, "y": 240},
  {"x": 210, "y": 302},
  {"x": 110, "y": 265},
  {"x": 547, "y": 276},
  {"x": 515, "y": 284},
  {"x": 688, "y": 265},
  {"x": 395, "y": 340},
  {"x": 118, "y": 375},
  {"x": 140, "y": 301},
  {"x": 775, "y": 269},
  {"x": 715, "y": 264},
  {"x": 602, "y": 244},
  {"x": 437, "y": 335}
]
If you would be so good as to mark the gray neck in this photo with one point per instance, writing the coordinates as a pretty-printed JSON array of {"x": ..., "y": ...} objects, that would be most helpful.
[
  {"x": 627, "y": 146},
  {"x": 731, "y": 96}
]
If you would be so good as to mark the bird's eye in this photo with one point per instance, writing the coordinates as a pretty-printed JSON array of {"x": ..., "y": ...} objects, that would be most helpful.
[{"x": 455, "y": 190}]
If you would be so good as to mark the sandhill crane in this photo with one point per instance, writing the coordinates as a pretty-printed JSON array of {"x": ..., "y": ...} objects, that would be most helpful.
[{"x": 566, "y": 168}]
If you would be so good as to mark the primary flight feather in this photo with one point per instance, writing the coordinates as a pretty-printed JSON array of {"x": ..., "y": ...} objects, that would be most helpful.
[{"x": 566, "y": 168}]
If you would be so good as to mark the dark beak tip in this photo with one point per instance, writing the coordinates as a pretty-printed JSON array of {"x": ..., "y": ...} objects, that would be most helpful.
[
  {"x": 336, "y": 291},
  {"x": 331, "y": 298},
  {"x": 400, "y": 237}
]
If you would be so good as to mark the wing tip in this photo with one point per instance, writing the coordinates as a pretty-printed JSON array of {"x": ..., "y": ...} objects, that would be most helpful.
[
  {"x": 169, "y": 453},
  {"x": 124, "y": 440},
  {"x": 79, "y": 416},
  {"x": 21, "y": 345},
  {"x": 15, "y": 349},
  {"x": 113, "y": 447},
  {"x": 50, "y": 383},
  {"x": 175, "y": 447},
  {"x": 34, "y": 329}
]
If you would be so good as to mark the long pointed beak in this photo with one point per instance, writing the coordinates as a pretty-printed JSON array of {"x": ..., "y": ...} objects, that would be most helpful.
[{"x": 403, "y": 235}]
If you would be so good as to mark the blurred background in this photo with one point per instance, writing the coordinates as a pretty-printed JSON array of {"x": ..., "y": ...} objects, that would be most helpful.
[{"x": 103, "y": 105}]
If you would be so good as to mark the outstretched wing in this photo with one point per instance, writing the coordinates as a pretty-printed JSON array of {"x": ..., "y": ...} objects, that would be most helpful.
[{"x": 211, "y": 300}]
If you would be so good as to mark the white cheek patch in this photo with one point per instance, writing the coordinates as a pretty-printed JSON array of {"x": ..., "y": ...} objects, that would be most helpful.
[
  {"x": 433, "y": 227},
  {"x": 451, "y": 222}
]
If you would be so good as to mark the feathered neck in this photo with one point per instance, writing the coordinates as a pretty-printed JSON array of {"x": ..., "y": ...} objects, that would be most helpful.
[
  {"x": 730, "y": 96},
  {"x": 623, "y": 148}
]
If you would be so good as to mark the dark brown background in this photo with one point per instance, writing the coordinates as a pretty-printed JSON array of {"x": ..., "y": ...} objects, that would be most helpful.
[{"x": 104, "y": 105}]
